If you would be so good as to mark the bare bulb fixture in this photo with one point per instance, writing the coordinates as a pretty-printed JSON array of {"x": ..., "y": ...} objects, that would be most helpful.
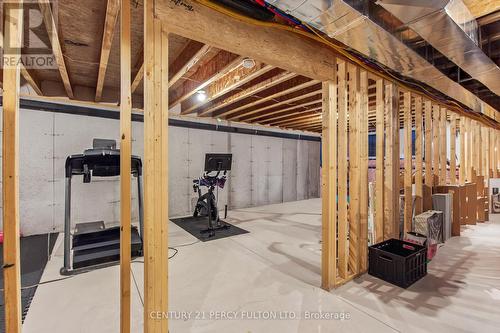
[
  {"x": 201, "y": 95},
  {"x": 248, "y": 63}
]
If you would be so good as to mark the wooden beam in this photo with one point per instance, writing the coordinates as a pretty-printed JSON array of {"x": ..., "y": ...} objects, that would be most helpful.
[
  {"x": 408, "y": 205},
  {"x": 271, "y": 97},
  {"x": 155, "y": 171},
  {"x": 51, "y": 27},
  {"x": 453, "y": 150},
  {"x": 107, "y": 39},
  {"x": 225, "y": 85},
  {"x": 392, "y": 162},
  {"x": 354, "y": 171},
  {"x": 284, "y": 101},
  {"x": 427, "y": 191},
  {"x": 419, "y": 165},
  {"x": 125, "y": 163},
  {"x": 443, "y": 144},
  {"x": 189, "y": 57},
  {"x": 342, "y": 170},
  {"x": 32, "y": 81},
  {"x": 379, "y": 163},
  {"x": 329, "y": 186},
  {"x": 468, "y": 154},
  {"x": 138, "y": 78},
  {"x": 221, "y": 64},
  {"x": 296, "y": 119},
  {"x": 363, "y": 166},
  {"x": 294, "y": 111},
  {"x": 278, "y": 113},
  {"x": 261, "y": 86},
  {"x": 13, "y": 14}
]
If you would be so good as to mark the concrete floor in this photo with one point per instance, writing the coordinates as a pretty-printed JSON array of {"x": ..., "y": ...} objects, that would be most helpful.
[{"x": 275, "y": 269}]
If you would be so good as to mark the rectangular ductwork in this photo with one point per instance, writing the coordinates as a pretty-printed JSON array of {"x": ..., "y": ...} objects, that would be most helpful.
[
  {"x": 450, "y": 28},
  {"x": 346, "y": 24}
]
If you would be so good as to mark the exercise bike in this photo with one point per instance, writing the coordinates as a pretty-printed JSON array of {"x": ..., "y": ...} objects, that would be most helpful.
[{"x": 207, "y": 202}]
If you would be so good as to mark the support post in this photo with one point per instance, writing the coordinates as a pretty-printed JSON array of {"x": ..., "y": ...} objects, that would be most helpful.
[
  {"x": 453, "y": 149},
  {"x": 443, "y": 148},
  {"x": 12, "y": 38},
  {"x": 427, "y": 193},
  {"x": 354, "y": 172},
  {"x": 462, "y": 171},
  {"x": 418, "y": 156},
  {"x": 363, "y": 180},
  {"x": 392, "y": 162},
  {"x": 435, "y": 144},
  {"x": 379, "y": 163},
  {"x": 125, "y": 165},
  {"x": 156, "y": 171},
  {"x": 342, "y": 170},
  {"x": 329, "y": 186},
  {"x": 408, "y": 205}
]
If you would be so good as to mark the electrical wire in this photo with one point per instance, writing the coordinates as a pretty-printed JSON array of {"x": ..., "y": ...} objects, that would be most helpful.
[{"x": 319, "y": 38}]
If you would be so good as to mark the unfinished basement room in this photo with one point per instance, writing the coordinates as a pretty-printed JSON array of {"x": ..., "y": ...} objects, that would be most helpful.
[{"x": 253, "y": 166}]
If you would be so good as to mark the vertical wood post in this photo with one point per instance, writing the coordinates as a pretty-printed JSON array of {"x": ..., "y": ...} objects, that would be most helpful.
[
  {"x": 354, "y": 172},
  {"x": 418, "y": 156},
  {"x": 462, "y": 171},
  {"x": 428, "y": 157},
  {"x": 363, "y": 166},
  {"x": 435, "y": 143},
  {"x": 392, "y": 162},
  {"x": 156, "y": 171},
  {"x": 10, "y": 166},
  {"x": 379, "y": 163},
  {"x": 342, "y": 170},
  {"x": 453, "y": 149},
  {"x": 468, "y": 156},
  {"x": 125, "y": 164},
  {"x": 329, "y": 185},
  {"x": 408, "y": 205},
  {"x": 443, "y": 153}
]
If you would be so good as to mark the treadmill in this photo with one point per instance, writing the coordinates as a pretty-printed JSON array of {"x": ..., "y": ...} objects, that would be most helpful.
[{"x": 91, "y": 245}]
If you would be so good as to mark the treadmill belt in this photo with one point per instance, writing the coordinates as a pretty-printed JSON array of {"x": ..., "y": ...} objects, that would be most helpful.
[
  {"x": 34, "y": 257},
  {"x": 194, "y": 225}
]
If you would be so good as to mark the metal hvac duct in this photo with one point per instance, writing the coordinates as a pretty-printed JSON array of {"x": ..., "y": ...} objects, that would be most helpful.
[
  {"x": 346, "y": 24},
  {"x": 450, "y": 28}
]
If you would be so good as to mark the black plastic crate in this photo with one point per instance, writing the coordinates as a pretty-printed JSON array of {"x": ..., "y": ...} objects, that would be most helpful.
[{"x": 398, "y": 262}]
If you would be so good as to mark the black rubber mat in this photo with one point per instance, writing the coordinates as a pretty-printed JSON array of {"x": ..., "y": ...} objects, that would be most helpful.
[
  {"x": 34, "y": 257},
  {"x": 194, "y": 225}
]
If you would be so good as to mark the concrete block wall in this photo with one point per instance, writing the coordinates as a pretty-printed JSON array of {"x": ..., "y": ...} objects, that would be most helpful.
[{"x": 266, "y": 170}]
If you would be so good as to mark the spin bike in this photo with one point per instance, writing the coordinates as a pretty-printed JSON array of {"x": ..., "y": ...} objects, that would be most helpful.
[{"x": 206, "y": 205}]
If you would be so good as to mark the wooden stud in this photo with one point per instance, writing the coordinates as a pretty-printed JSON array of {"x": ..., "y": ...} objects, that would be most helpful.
[
  {"x": 13, "y": 14},
  {"x": 354, "y": 171},
  {"x": 418, "y": 157},
  {"x": 408, "y": 204},
  {"x": 436, "y": 129},
  {"x": 50, "y": 25},
  {"x": 342, "y": 170},
  {"x": 453, "y": 149},
  {"x": 363, "y": 166},
  {"x": 443, "y": 148},
  {"x": 392, "y": 162},
  {"x": 329, "y": 186},
  {"x": 462, "y": 171},
  {"x": 379, "y": 167},
  {"x": 468, "y": 155},
  {"x": 125, "y": 164},
  {"x": 107, "y": 39},
  {"x": 427, "y": 192},
  {"x": 156, "y": 171}
]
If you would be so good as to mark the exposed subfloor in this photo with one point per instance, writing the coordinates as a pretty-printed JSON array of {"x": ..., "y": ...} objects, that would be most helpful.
[{"x": 276, "y": 267}]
